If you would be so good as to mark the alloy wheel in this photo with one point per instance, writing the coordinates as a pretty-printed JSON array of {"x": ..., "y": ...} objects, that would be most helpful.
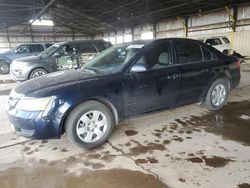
[{"x": 91, "y": 126}]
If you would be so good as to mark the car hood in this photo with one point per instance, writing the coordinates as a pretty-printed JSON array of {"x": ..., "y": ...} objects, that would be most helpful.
[
  {"x": 55, "y": 80},
  {"x": 6, "y": 53},
  {"x": 27, "y": 59}
]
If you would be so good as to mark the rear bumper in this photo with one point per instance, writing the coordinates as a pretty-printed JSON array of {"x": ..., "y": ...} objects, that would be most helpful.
[{"x": 235, "y": 80}]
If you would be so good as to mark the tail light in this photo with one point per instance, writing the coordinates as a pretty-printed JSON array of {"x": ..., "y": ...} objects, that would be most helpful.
[{"x": 238, "y": 64}]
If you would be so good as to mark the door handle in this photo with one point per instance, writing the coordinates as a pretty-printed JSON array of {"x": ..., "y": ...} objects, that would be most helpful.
[{"x": 173, "y": 76}]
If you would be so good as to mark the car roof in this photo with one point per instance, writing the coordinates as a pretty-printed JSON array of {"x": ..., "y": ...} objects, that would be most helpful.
[
  {"x": 81, "y": 41},
  {"x": 154, "y": 40},
  {"x": 212, "y": 37},
  {"x": 35, "y": 43}
]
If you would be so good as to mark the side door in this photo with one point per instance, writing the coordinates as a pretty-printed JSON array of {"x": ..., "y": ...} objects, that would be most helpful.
[
  {"x": 157, "y": 85},
  {"x": 194, "y": 70},
  {"x": 36, "y": 49},
  {"x": 65, "y": 58},
  {"x": 86, "y": 52}
]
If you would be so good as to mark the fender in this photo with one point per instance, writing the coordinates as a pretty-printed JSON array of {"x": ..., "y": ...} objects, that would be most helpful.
[
  {"x": 224, "y": 74},
  {"x": 66, "y": 108},
  {"x": 6, "y": 59}
]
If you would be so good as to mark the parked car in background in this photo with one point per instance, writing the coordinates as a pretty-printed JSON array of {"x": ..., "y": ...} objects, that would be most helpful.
[
  {"x": 124, "y": 80},
  {"x": 60, "y": 56},
  {"x": 221, "y": 43},
  {"x": 22, "y": 50}
]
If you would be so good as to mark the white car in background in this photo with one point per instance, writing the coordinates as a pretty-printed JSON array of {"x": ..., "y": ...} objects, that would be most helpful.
[{"x": 221, "y": 43}]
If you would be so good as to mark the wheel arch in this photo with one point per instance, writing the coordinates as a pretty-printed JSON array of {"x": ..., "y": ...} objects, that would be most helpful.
[
  {"x": 223, "y": 75},
  {"x": 102, "y": 100},
  {"x": 34, "y": 68},
  {"x": 7, "y": 60}
]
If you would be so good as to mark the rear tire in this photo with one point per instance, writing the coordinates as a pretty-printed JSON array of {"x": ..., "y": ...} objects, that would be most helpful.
[
  {"x": 89, "y": 124},
  {"x": 37, "y": 73},
  {"x": 217, "y": 94},
  {"x": 4, "y": 67}
]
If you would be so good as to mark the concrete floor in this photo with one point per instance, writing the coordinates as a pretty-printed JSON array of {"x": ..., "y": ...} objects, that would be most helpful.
[{"x": 184, "y": 147}]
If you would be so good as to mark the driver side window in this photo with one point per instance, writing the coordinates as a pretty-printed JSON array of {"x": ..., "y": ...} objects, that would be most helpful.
[
  {"x": 23, "y": 49},
  {"x": 156, "y": 57}
]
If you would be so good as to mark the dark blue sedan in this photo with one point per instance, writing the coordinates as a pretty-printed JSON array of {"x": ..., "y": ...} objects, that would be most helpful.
[{"x": 122, "y": 81}]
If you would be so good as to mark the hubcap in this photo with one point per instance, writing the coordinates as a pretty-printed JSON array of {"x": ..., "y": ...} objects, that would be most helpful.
[
  {"x": 218, "y": 95},
  {"x": 38, "y": 73},
  {"x": 4, "y": 68},
  {"x": 92, "y": 126}
]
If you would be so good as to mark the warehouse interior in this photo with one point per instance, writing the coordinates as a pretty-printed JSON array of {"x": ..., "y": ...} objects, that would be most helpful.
[
  {"x": 182, "y": 147},
  {"x": 124, "y": 21}
]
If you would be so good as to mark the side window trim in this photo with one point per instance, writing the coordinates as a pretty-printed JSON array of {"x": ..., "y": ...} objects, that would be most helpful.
[
  {"x": 96, "y": 48},
  {"x": 171, "y": 64},
  {"x": 177, "y": 63},
  {"x": 213, "y": 56}
]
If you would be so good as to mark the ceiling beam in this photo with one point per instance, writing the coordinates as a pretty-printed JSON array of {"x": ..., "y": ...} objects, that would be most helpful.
[{"x": 39, "y": 14}]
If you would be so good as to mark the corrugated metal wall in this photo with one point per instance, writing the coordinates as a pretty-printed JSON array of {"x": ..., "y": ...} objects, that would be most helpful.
[
  {"x": 214, "y": 23},
  {"x": 201, "y": 25},
  {"x": 12, "y": 37}
]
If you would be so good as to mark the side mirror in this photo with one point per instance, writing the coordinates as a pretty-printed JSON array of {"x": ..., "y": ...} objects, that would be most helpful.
[{"x": 138, "y": 68}]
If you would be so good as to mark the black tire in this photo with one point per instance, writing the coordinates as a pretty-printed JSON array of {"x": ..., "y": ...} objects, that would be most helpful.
[
  {"x": 208, "y": 99},
  {"x": 37, "y": 71},
  {"x": 4, "y": 67},
  {"x": 75, "y": 115},
  {"x": 226, "y": 52}
]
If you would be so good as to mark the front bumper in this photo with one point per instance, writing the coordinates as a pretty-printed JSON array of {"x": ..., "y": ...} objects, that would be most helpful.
[
  {"x": 33, "y": 125},
  {"x": 19, "y": 75},
  {"x": 36, "y": 124}
]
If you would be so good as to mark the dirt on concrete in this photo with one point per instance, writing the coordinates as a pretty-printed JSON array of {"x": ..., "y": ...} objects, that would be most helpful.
[
  {"x": 57, "y": 177},
  {"x": 232, "y": 122},
  {"x": 244, "y": 185}
]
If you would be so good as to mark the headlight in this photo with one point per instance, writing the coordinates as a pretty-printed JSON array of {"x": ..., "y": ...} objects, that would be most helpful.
[
  {"x": 16, "y": 65},
  {"x": 33, "y": 104}
]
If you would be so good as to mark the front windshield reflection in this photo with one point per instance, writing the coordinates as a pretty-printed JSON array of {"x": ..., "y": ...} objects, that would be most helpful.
[{"x": 112, "y": 60}]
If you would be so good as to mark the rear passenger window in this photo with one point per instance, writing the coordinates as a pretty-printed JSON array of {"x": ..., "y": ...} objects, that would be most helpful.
[
  {"x": 206, "y": 54},
  {"x": 86, "y": 48},
  {"x": 36, "y": 48},
  {"x": 213, "y": 42},
  {"x": 103, "y": 45},
  {"x": 188, "y": 52},
  {"x": 226, "y": 40},
  {"x": 48, "y": 45}
]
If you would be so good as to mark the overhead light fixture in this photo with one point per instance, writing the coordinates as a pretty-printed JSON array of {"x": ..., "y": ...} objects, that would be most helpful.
[{"x": 42, "y": 22}]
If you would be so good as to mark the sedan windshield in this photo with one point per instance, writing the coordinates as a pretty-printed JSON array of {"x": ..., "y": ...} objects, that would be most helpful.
[{"x": 113, "y": 59}]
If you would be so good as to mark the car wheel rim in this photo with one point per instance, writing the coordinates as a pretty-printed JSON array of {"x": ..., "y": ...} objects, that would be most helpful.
[
  {"x": 38, "y": 73},
  {"x": 218, "y": 95},
  {"x": 4, "y": 68},
  {"x": 91, "y": 126}
]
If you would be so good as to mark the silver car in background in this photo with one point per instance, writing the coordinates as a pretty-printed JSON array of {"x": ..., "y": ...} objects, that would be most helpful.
[
  {"x": 60, "y": 56},
  {"x": 21, "y": 50}
]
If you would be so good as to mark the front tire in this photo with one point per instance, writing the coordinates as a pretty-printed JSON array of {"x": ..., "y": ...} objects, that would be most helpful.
[
  {"x": 37, "y": 73},
  {"x": 89, "y": 124},
  {"x": 217, "y": 94},
  {"x": 4, "y": 67}
]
